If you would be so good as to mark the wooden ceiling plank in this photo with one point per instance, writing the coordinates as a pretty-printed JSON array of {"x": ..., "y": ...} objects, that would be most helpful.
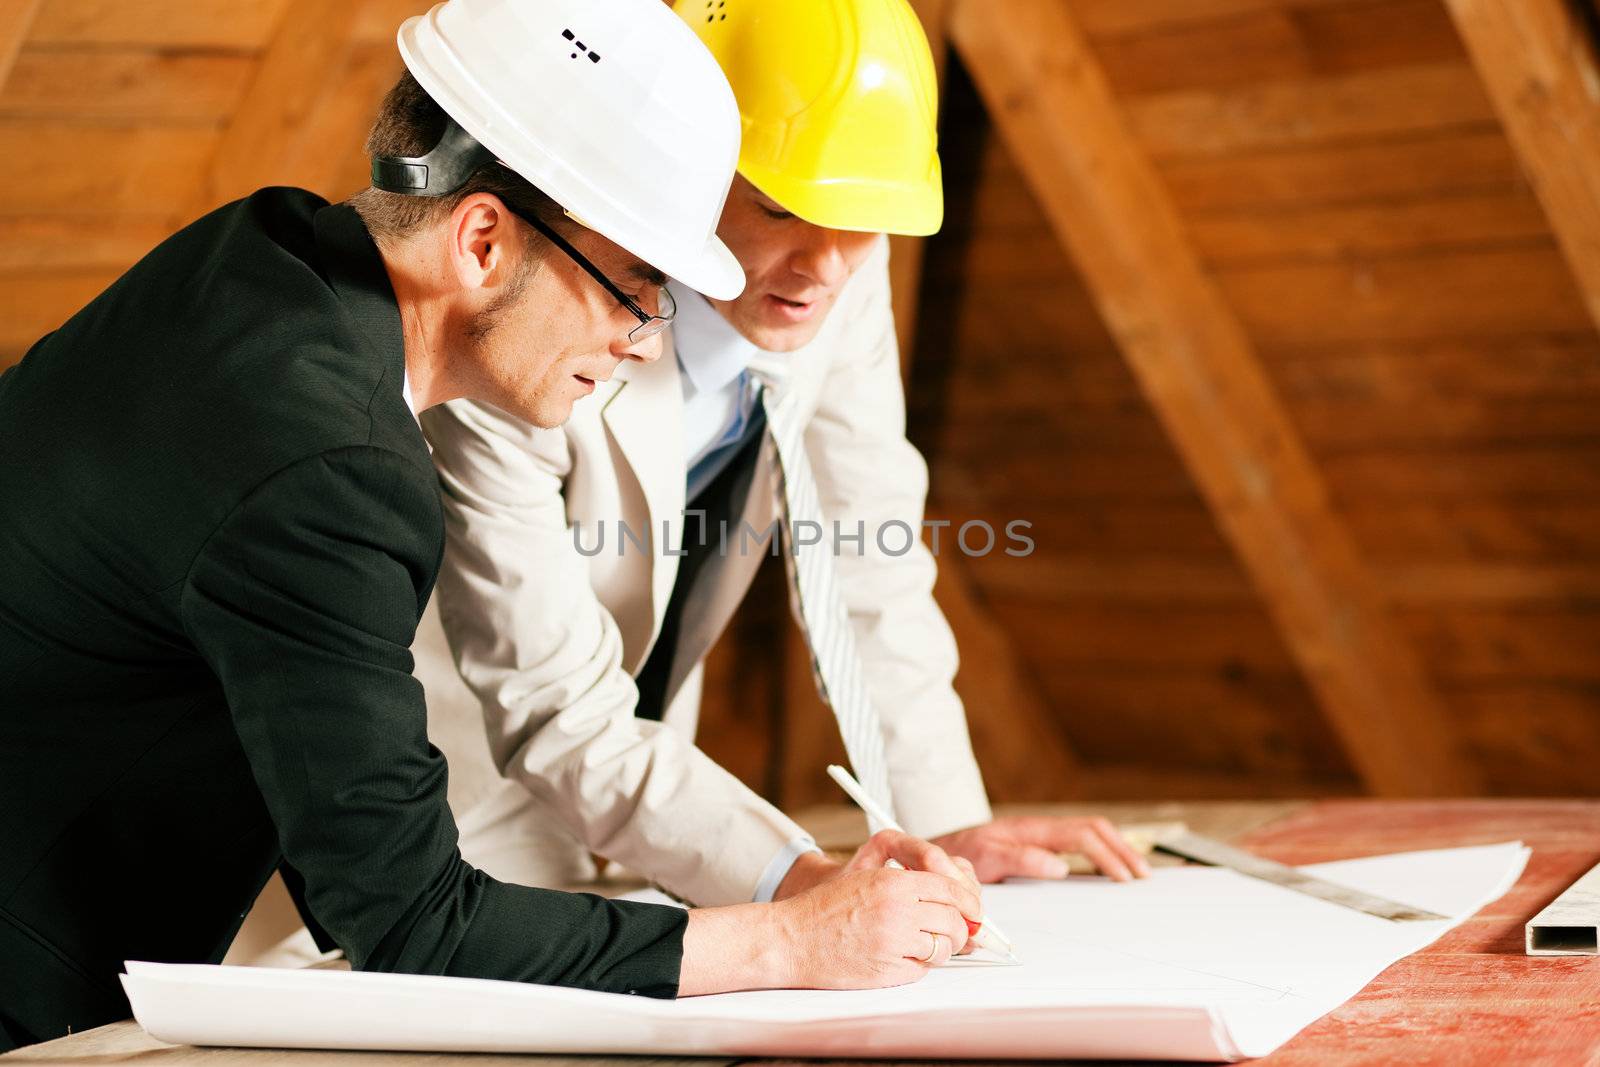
[
  {"x": 1539, "y": 65},
  {"x": 1020, "y": 744},
  {"x": 36, "y": 244},
  {"x": 16, "y": 21},
  {"x": 1279, "y": 42},
  {"x": 175, "y": 24},
  {"x": 156, "y": 167},
  {"x": 1368, "y": 105},
  {"x": 1199, "y": 370},
  {"x": 126, "y": 85},
  {"x": 1473, "y": 159},
  {"x": 1114, "y": 18}
]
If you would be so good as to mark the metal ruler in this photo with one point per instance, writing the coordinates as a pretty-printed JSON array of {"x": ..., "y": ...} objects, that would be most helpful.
[{"x": 1207, "y": 850}]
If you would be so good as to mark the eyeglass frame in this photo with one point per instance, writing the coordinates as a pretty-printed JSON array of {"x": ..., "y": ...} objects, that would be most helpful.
[
  {"x": 641, "y": 332},
  {"x": 452, "y": 162}
]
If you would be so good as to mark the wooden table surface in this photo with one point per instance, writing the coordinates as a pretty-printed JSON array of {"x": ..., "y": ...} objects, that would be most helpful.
[{"x": 1472, "y": 997}]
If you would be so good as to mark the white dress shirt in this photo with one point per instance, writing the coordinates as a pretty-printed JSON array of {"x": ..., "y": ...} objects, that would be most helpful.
[{"x": 718, "y": 405}]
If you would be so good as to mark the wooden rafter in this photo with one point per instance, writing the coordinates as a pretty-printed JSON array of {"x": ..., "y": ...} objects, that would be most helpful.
[
  {"x": 1048, "y": 96},
  {"x": 16, "y": 19},
  {"x": 1537, "y": 60}
]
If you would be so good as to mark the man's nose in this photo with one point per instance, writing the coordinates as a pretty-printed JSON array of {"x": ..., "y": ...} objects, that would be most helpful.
[
  {"x": 647, "y": 350},
  {"x": 822, "y": 260}
]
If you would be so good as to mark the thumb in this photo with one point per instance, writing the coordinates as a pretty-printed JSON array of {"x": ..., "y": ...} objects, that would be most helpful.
[{"x": 1030, "y": 861}]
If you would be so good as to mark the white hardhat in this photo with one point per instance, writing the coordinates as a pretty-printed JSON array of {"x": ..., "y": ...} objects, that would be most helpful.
[{"x": 613, "y": 108}]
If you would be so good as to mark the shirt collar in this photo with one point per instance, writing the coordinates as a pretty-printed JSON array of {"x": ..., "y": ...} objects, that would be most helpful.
[{"x": 711, "y": 352}]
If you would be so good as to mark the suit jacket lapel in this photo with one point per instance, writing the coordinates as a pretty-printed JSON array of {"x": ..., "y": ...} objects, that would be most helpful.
[{"x": 644, "y": 419}]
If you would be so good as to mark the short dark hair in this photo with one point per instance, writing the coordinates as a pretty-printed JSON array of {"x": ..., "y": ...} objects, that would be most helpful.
[{"x": 410, "y": 123}]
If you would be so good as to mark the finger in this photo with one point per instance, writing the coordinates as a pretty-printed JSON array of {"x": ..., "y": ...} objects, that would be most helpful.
[
  {"x": 1057, "y": 834},
  {"x": 919, "y": 855},
  {"x": 874, "y": 853},
  {"x": 943, "y": 919},
  {"x": 1102, "y": 856},
  {"x": 937, "y": 889},
  {"x": 1008, "y": 859},
  {"x": 943, "y": 949},
  {"x": 966, "y": 865},
  {"x": 1052, "y": 832},
  {"x": 927, "y": 949},
  {"x": 1129, "y": 855},
  {"x": 1030, "y": 861}
]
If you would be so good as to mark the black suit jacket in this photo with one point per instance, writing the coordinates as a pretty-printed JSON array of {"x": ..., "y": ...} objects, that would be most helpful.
[{"x": 219, "y": 526}]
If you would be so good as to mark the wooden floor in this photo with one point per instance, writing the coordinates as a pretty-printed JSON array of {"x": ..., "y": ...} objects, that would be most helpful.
[{"x": 1470, "y": 998}]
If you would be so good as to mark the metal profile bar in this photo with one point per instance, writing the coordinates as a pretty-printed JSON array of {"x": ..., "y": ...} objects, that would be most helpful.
[{"x": 1570, "y": 924}]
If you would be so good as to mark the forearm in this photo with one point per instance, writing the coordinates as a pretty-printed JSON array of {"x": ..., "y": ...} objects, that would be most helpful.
[
  {"x": 743, "y": 946},
  {"x": 522, "y": 934}
]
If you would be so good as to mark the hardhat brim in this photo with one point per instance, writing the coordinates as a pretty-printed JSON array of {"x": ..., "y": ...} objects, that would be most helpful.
[
  {"x": 866, "y": 207},
  {"x": 713, "y": 272}
]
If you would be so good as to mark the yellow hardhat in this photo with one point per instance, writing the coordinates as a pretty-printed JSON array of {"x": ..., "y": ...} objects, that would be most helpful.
[{"x": 839, "y": 105}]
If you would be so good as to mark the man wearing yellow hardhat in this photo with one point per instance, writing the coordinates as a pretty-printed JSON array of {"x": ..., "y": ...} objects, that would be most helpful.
[
  {"x": 221, "y": 523},
  {"x": 591, "y": 568}
]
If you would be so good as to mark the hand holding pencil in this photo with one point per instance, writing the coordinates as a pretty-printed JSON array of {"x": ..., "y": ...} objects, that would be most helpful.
[{"x": 984, "y": 933}]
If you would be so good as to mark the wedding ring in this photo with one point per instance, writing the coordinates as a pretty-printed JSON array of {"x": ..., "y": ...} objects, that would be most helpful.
[{"x": 933, "y": 949}]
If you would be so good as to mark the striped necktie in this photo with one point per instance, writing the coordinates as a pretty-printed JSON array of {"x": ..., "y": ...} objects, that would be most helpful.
[{"x": 835, "y": 661}]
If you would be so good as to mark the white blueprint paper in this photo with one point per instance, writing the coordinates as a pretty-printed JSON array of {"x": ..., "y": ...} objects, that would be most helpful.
[{"x": 1195, "y": 963}]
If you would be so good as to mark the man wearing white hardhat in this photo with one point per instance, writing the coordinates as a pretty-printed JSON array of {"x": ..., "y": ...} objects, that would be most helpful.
[
  {"x": 222, "y": 524},
  {"x": 590, "y": 568}
]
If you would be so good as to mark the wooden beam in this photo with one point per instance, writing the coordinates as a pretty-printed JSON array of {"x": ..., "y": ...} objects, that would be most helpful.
[
  {"x": 1537, "y": 60},
  {"x": 1198, "y": 368},
  {"x": 16, "y": 19},
  {"x": 278, "y": 135}
]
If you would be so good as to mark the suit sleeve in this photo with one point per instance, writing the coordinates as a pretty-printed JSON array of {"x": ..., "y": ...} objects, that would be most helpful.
[
  {"x": 542, "y": 653},
  {"x": 871, "y": 480},
  {"x": 304, "y": 602}
]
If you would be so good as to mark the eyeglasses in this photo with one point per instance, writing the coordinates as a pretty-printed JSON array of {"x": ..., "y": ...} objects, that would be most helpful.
[{"x": 649, "y": 325}]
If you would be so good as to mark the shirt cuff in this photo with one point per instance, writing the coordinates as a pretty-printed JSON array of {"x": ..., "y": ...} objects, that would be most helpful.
[{"x": 778, "y": 869}]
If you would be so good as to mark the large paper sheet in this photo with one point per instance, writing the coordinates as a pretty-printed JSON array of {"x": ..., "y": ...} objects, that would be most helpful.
[{"x": 1194, "y": 964}]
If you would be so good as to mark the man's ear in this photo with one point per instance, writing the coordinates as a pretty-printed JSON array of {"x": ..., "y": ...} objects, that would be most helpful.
[{"x": 484, "y": 241}]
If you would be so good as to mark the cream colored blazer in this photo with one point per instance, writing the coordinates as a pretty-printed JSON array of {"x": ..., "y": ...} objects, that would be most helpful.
[{"x": 547, "y": 636}]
